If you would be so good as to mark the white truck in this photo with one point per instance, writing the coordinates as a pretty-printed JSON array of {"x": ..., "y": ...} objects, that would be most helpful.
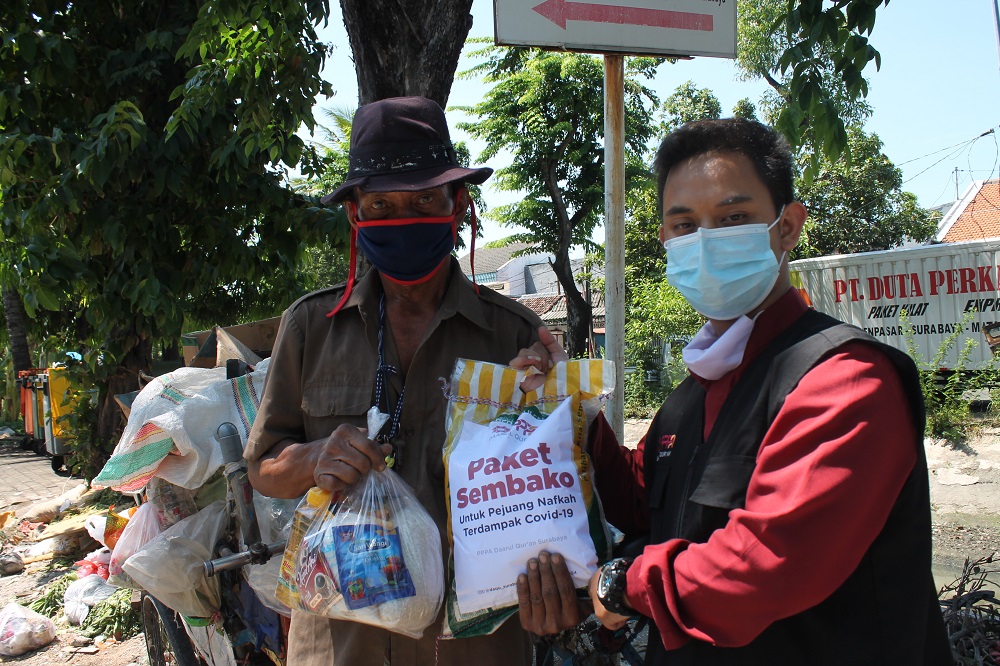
[{"x": 942, "y": 288}]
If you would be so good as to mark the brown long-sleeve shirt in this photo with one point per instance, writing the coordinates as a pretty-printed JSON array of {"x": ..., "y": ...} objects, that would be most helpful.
[{"x": 322, "y": 374}]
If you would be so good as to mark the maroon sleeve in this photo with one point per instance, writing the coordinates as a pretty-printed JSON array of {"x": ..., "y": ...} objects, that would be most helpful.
[
  {"x": 619, "y": 479},
  {"x": 828, "y": 473}
]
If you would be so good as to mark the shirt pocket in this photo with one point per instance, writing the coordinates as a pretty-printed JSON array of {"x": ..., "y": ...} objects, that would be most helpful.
[
  {"x": 326, "y": 405},
  {"x": 724, "y": 483}
]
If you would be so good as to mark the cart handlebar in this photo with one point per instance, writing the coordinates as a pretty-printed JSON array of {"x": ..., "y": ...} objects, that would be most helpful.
[{"x": 259, "y": 553}]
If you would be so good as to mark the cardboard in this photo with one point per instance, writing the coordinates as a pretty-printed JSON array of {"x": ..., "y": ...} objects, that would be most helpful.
[{"x": 201, "y": 348}]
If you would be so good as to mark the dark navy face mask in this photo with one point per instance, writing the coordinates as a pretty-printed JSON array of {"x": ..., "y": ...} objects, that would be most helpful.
[{"x": 408, "y": 250}]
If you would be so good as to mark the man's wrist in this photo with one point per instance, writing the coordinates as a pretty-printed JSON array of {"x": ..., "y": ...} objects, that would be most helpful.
[{"x": 611, "y": 585}]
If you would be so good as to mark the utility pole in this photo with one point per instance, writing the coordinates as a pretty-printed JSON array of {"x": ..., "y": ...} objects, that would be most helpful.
[
  {"x": 996, "y": 19},
  {"x": 956, "y": 183}
]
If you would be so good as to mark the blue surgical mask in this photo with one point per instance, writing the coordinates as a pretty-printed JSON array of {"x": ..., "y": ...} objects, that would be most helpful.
[
  {"x": 724, "y": 273},
  {"x": 407, "y": 250}
]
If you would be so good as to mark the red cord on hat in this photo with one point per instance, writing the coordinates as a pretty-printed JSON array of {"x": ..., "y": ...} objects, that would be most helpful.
[
  {"x": 351, "y": 272},
  {"x": 472, "y": 253}
]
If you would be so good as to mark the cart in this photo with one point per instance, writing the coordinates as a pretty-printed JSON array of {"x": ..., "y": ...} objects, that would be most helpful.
[{"x": 167, "y": 635}]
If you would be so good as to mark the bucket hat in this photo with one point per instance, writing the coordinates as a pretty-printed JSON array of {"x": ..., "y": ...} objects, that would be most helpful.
[{"x": 402, "y": 144}]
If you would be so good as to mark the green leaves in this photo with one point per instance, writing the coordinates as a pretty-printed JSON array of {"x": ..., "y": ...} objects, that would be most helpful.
[
  {"x": 142, "y": 148},
  {"x": 826, "y": 48},
  {"x": 858, "y": 205},
  {"x": 547, "y": 109}
]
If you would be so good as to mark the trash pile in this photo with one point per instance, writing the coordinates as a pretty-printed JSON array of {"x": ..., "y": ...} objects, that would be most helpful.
[
  {"x": 173, "y": 509},
  {"x": 66, "y": 533}
]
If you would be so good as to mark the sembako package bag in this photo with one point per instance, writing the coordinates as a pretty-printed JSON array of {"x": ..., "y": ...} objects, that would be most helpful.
[
  {"x": 518, "y": 481},
  {"x": 372, "y": 556}
]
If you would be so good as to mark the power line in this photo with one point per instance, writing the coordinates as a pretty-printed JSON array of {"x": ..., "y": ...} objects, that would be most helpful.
[{"x": 941, "y": 150}]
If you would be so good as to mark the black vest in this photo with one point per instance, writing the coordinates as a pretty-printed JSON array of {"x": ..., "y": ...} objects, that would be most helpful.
[{"x": 887, "y": 610}]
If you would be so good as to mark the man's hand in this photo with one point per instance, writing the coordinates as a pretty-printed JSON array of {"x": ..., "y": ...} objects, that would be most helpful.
[
  {"x": 542, "y": 355},
  {"x": 612, "y": 621},
  {"x": 345, "y": 456},
  {"x": 546, "y": 597}
]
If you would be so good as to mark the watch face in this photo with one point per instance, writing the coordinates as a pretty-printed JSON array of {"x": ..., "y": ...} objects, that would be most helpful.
[{"x": 604, "y": 582}]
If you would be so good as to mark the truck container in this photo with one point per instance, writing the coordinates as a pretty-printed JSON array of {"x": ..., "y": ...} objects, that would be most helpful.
[{"x": 941, "y": 288}]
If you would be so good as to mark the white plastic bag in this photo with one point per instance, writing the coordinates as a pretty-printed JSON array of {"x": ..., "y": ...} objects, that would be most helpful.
[
  {"x": 142, "y": 527},
  {"x": 275, "y": 519},
  {"x": 171, "y": 565},
  {"x": 173, "y": 503},
  {"x": 23, "y": 630},
  {"x": 373, "y": 557},
  {"x": 95, "y": 528},
  {"x": 84, "y": 594},
  {"x": 518, "y": 481}
]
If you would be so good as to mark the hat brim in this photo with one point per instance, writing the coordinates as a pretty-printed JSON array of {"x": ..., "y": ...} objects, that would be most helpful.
[{"x": 410, "y": 181}]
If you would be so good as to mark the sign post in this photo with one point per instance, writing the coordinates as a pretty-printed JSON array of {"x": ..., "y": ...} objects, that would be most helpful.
[
  {"x": 678, "y": 28},
  {"x": 614, "y": 233}
]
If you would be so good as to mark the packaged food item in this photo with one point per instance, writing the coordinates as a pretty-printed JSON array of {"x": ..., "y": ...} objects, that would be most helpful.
[
  {"x": 518, "y": 481},
  {"x": 373, "y": 556}
]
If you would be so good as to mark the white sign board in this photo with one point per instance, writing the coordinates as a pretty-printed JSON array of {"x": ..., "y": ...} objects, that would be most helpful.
[{"x": 652, "y": 27}]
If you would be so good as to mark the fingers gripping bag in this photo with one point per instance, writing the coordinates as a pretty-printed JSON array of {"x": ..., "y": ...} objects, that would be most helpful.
[
  {"x": 518, "y": 481},
  {"x": 372, "y": 556}
]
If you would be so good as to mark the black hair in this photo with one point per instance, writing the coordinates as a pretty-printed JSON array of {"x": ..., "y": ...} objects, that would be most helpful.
[{"x": 762, "y": 145}]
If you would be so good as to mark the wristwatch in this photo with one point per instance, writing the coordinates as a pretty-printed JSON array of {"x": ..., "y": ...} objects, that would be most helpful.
[{"x": 611, "y": 585}]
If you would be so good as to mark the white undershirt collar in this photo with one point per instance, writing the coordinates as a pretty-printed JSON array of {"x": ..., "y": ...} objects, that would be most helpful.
[{"x": 711, "y": 356}]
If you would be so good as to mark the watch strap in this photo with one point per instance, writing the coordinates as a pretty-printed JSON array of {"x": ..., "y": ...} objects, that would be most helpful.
[{"x": 612, "y": 595}]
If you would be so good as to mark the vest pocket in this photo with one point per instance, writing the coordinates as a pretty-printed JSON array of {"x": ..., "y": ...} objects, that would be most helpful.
[{"x": 724, "y": 482}]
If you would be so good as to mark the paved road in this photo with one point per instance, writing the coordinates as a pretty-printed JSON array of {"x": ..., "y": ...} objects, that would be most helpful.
[{"x": 27, "y": 478}]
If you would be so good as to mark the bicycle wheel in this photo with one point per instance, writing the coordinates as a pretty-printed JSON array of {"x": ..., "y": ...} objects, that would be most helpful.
[{"x": 167, "y": 644}]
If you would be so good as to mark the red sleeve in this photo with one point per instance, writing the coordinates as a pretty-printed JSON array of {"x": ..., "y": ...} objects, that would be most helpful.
[
  {"x": 828, "y": 473},
  {"x": 619, "y": 479}
]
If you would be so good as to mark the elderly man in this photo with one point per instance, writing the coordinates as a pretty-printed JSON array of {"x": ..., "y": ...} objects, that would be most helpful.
[
  {"x": 386, "y": 341},
  {"x": 783, "y": 484}
]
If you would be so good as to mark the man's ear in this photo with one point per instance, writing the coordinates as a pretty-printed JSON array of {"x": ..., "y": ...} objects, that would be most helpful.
[
  {"x": 351, "y": 208},
  {"x": 792, "y": 221},
  {"x": 462, "y": 199}
]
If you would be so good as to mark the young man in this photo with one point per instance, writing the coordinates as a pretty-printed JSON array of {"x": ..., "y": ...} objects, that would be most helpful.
[
  {"x": 386, "y": 341},
  {"x": 783, "y": 484}
]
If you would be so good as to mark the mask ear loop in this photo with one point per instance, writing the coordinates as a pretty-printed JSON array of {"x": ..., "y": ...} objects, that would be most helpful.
[
  {"x": 352, "y": 268},
  {"x": 472, "y": 252}
]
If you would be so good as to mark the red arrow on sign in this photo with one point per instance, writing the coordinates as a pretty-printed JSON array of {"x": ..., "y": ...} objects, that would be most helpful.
[{"x": 560, "y": 11}]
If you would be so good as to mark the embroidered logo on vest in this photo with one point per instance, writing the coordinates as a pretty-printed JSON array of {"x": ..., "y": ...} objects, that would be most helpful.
[{"x": 666, "y": 446}]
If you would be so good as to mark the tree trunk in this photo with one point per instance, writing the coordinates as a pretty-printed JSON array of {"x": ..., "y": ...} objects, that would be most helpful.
[
  {"x": 406, "y": 48},
  {"x": 17, "y": 329},
  {"x": 125, "y": 380},
  {"x": 578, "y": 310}
]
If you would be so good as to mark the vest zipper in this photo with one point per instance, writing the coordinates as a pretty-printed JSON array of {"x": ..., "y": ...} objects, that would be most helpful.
[{"x": 684, "y": 494}]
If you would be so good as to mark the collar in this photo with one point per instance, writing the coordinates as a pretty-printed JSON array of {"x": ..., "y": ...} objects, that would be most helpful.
[
  {"x": 460, "y": 296},
  {"x": 710, "y": 355},
  {"x": 766, "y": 326},
  {"x": 774, "y": 320}
]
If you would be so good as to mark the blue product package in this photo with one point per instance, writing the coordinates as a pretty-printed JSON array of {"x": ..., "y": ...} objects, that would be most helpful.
[{"x": 370, "y": 565}]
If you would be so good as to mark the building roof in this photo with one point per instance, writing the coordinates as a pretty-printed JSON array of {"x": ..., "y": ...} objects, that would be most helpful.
[
  {"x": 540, "y": 305},
  {"x": 976, "y": 216},
  {"x": 490, "y": 259},
  {"x": 552, "y": 307}
]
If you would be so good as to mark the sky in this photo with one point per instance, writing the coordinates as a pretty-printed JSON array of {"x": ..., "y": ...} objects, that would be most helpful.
[{"x": 936, "y": 95}]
